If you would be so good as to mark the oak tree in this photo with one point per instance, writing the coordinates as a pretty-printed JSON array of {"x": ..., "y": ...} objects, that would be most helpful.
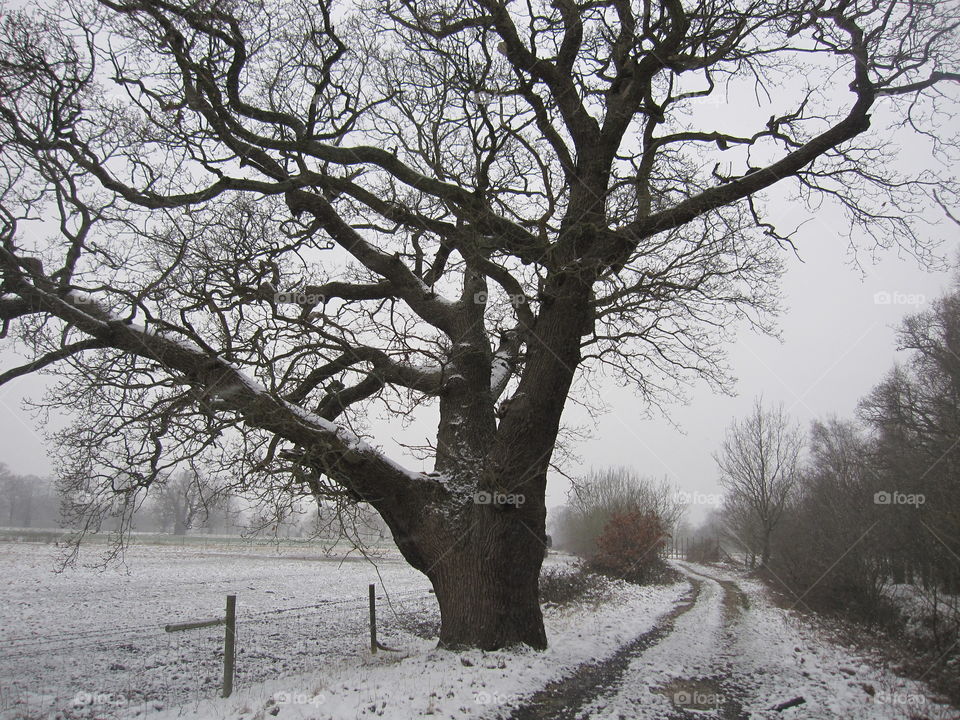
[{"x": 232, "y": 228}]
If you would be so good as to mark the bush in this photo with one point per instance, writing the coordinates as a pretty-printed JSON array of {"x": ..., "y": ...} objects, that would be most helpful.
[
  {"x": 562, "y": 586},
  {"x": 630, "y": 547},
  {"x": 602, "y": 494}
]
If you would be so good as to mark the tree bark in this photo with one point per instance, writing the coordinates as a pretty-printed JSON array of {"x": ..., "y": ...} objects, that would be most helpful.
[{"x": 487, "y": 585}]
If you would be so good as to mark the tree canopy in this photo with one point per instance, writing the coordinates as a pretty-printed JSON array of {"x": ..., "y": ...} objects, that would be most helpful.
[{"x": 231, "y": 226}]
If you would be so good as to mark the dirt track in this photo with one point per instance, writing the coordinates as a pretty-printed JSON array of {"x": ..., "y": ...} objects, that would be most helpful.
[{"x": 583, "y": 693}]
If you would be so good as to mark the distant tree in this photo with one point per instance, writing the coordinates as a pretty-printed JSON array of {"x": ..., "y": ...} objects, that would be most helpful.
[
  {"x": 223, "y": 517},
  {"x": 829, "y": 546},
  {"x": 915, "y": 414},
  {"x": 742, "y": 528},
  {"x": 705, "y": 541},
  {"x": 877, "y": 503},
  {"x": 233, "y": 226},
  {"x": 185, "y": 500},
  {"x": 27, "y": 500},
  {"x": 759, "y": 463}
]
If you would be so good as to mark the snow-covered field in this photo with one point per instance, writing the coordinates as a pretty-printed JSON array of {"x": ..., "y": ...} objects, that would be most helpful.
[
  {"x": 86, "y": 644},
  {"x": 91, "y": 643},
  {"x": 425, "y": 682}
]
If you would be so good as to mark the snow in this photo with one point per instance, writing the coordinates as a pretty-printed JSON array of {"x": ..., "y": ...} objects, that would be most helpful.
[
  {"x": 919, "y": 605},
  {"x": 308, "y": 663},
  {"x": 346, "y": 436},
  {"x": 782, "y": 655},
  {"x": 424, "y": 681},
  {"x": 500, "y": 372},
  {"x": 108, "y": 657},
  {"x": 352, "y": 441},
  {"x": 86, "y": 635},
  {"x": 759, "y": 656},
  {"x": 349, "y": 438}
]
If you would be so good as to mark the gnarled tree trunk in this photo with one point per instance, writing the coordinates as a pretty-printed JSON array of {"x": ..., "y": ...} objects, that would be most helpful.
[{"x": 487, "y": 583}]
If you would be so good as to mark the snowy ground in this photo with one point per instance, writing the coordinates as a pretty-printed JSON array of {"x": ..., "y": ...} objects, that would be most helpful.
[
  {"x": 425, "y": 682},
  {"x": 90, "y": 645},
  {"x": 735, "y": 655}
]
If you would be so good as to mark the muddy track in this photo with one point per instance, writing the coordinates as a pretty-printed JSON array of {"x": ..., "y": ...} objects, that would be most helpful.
[
  {"x": 568, "y": 697},
  {"x": 721, "y": 684},
  {"x": 563, "y": 699}
]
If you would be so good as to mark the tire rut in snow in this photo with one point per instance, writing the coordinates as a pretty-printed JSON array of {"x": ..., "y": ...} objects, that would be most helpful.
[
  {"x": 729, "y": 694},
  {"x": 563, "y": 699}
]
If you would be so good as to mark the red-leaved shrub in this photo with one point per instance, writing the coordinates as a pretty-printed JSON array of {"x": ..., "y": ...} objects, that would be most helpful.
[{"x": 630, "y": 546}]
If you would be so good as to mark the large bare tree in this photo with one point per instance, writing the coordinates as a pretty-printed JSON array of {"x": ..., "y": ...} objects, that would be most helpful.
[{"x": 233, "y": 227}]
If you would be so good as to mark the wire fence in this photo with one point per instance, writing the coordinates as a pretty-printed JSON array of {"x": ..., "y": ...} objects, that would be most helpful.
[{"x": 126, "y": 672}]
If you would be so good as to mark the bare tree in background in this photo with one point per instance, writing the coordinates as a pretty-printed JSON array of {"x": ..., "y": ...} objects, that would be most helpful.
[
  {"x": 915, "y": 415},
  {"x": 758, "y": 463},
  {"x": 230, "y": 228},
  {"x": 827, "y": 545},
  {"x": 876, "y": 518},
  {"x": 27, "y": 500},
  {"x": 185, "y": 500}
]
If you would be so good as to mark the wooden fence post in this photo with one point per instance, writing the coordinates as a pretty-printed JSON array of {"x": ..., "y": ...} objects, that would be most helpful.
[
  {"x": 373, "y": 618},
  {"x": 229, "y": 644}
]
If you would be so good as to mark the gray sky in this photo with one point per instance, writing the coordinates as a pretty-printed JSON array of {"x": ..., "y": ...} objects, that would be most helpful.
[{"x": 837, "y": 343}]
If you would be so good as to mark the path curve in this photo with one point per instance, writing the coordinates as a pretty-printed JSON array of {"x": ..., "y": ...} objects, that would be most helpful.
[{"x": 586, "y": 692}]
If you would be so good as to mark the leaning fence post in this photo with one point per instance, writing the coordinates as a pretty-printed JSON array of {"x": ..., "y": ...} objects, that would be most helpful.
[
  {"x": 229, "y": 642},
  {"x": 373, "y": 618}
]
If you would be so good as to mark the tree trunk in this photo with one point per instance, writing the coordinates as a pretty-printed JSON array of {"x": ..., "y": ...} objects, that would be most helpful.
[
  {"x": 483, "y": 559},
  {"x": 765, "y": 556},
  {"x": 480, "y": 535},
  {"x": 488, "y": 591},
  {"x": 899, "y": 575}
]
